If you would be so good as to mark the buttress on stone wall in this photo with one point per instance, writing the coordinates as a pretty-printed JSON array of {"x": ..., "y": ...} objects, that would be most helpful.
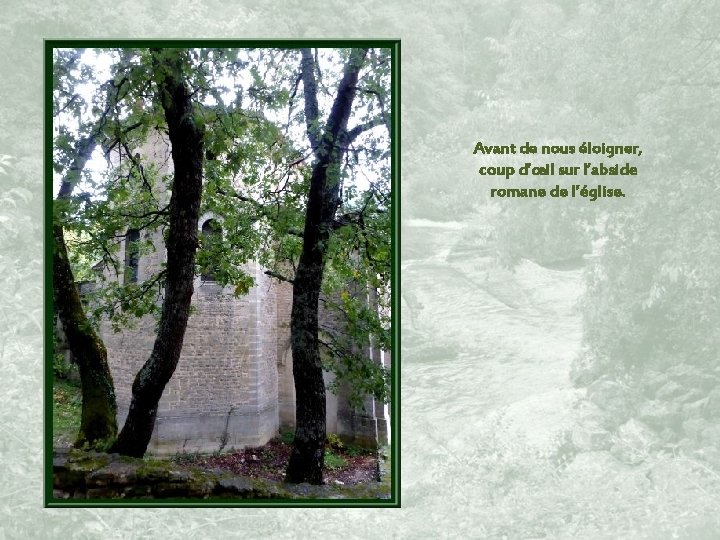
[{"x": 233, "y": 386}]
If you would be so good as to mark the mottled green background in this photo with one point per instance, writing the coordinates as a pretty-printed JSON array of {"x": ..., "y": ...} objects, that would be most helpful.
[{"x": 448, "y": 73}]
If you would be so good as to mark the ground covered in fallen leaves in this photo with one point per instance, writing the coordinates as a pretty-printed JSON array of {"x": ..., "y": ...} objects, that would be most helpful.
[{"x": 343, "y": 465}]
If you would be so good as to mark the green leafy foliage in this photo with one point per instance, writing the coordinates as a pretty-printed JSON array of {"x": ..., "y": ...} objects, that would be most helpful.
[
  {"x": 334, "y": 462},
  {"x": 61, "y": 367},
  {"x": 334, "y": 442}
]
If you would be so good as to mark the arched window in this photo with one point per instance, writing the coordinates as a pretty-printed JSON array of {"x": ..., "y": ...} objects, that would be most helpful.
[
  {"x": 211, "y": 232},
  {"x": 132, "y": 255}
]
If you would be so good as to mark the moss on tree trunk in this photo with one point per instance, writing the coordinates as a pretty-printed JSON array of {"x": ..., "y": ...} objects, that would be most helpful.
[{"x": 98, "y": 424}]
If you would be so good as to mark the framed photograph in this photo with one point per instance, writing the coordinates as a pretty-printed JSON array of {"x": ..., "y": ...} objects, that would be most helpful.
[{"x": 222, "y": 248}]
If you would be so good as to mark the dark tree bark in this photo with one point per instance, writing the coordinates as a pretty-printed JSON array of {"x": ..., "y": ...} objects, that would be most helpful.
[
  {"x": 187, "y": 154},
  {"x": 98, "y": 423},
  {"x": 329, "y": 146}
]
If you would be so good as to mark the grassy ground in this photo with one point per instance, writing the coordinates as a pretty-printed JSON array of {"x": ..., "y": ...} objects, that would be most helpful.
[{"x": 67, "y": 402}]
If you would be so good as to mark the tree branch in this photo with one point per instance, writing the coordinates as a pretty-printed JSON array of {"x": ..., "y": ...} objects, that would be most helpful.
[
  {"x": 355, "y": 132},
  {"x": 85, "y": 148},
  {"x": 86, "y": 145},
  {"x": 340, "y": 112},
  {"x": 161, "y": 212},
  {"x": 312, "y": 113},
  {"x": 279, "y": 276},
  {"x": 135, "y": 160}
]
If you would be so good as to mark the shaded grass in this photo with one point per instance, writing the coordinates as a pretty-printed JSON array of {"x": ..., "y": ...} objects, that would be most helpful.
[{"x": 67, "y": 405}]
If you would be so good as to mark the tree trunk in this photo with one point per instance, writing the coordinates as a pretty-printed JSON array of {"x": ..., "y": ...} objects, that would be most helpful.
[
  {"x": 307, "y": 458},
  {"x": 306, "y": 461},
  {"x": 187, "y": 154},
  {"x": 98, "y": 422}
]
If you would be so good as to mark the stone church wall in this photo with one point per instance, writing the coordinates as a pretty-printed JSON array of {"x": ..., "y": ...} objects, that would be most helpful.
[{"x": 223, "y": 393}]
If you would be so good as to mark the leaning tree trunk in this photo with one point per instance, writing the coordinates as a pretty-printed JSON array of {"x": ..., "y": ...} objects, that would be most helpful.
[
  {"x": 186, "y": 139},
  {"x": 306, "y": 460},
  {"x": 98, "y": 423}
]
